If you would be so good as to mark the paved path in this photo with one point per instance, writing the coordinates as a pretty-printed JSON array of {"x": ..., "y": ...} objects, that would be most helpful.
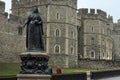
[{"x": 113, "y": 78}]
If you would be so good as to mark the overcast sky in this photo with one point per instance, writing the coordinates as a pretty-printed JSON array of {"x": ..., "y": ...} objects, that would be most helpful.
[{"x": 110, "y": 6}]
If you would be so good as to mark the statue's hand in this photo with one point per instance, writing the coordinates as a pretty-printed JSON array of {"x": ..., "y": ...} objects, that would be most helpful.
[
  {"x": 39, "y": 22},
  {"x": 23, "y": 25}
]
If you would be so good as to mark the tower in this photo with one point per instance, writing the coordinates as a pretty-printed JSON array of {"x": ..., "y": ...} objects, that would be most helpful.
[
  {"x": 60, "y": 30},
  {"x": 2, "y": 6},
  {"x": 95, "y": 39}
]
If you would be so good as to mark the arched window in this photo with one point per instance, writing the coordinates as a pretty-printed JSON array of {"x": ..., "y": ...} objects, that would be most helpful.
[
  {"x": 92, "y": 54},
  {"x": 57, "y": 49},
  {"x": 72, "y": 50},
  {"x": 92, "y": 29},
  {"x": 57, "y": 16},
  {"x": 20, "y": 30},
  {"x": 92, "y": 41},
  {"x": 103, "y": 55},
  {"x": 72, "y": 34},
  {"x": 108, "y": 55},
  {"x": 103, "y": 31},
  {"x": 57, "y": 33}
]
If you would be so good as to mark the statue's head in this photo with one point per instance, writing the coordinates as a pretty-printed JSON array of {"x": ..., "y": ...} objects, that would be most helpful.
[{"x": 35, "y": 9}]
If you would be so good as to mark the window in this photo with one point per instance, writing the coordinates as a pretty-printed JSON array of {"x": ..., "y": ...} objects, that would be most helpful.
[
  {"x": 57, "y": 49},
  {"x": 58, "y": 16},
  {"x": 92, "y": 41},
  {"x": 57, "y": 33},
  {"x": 103, "y": 42},
  {"x": 103, "y": 55},
  {"x": 72, "y": 34},
  {"x": 108, "y": 55},
  {"x": 108, "y": 32},
  {"x": 92, "y": 54},
  {"x": 103, "y": 31},
  {"x": 20, "y": 31},
  {"x": 92, "y": 28},
  {"x": 72, "y": 50}
]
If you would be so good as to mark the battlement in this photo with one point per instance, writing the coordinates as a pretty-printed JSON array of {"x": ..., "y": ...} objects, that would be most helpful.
[
  {"x": 2, "y": 6},
  {"x": 28, "y": 3},
  {"x": 92, "y": 12},
  {"x": 118, "y": 21}
]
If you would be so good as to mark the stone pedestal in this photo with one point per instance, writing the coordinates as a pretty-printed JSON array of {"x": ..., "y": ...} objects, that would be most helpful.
[
  {"x": 33, "y": 77},
  {"x": 34, "y": 63}
]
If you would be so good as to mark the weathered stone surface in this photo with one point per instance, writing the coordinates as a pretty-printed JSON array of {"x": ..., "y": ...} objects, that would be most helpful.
[
  {"x": 95, "y": 41},
  {"x": 99, "y": 64},
  {"x": 61, "y": 15},
  {"x": 11, "y": 43}
]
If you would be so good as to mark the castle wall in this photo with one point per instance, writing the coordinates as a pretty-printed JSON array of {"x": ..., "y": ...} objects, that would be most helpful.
[
  {"x": 11, "y": 43},
  {"x": 86, "y": 33},
  {"x": 99, "y": 64},
  {"x": 97, "y": 41},
  {"x": 116, "y": 38},
  {"x": 60, "y": 18},
  {"x": 57, "y": 15},
  {"x": 2, "y": 6}
]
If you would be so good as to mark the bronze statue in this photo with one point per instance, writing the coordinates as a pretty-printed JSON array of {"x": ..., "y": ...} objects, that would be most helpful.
[
  {"x": 34, "y": 31},
  {"x": 38, "y": 63}
]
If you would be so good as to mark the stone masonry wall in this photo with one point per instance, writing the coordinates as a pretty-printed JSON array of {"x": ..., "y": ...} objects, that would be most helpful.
[
  {"x": 11, "y": 43},
  {"x": 62, "y": 60},
  {"x": 99, "y": 64}
]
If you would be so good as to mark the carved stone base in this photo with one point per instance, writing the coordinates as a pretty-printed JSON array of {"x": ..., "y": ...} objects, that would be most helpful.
[
  {"x": 33, "y": 77},
  {"x": 34, "y": 63}
]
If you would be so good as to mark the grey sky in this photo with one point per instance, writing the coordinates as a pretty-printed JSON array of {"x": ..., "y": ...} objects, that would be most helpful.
[{"x": 110, "y": 6}]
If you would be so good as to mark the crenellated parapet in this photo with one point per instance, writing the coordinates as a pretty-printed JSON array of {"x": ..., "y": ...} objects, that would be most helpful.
[
  {"x": 2, "y": 10},
  {"x": 110, "y": 18},
  {"x": 2, "y": 6},
  {"x": 22, "y": 5},
  {"x": 94, "y": 13}
]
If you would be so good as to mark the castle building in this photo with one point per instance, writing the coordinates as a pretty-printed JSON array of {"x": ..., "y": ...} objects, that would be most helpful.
[
  {"x": 69, "y": 34},
  {"x": 11, "y": 44},
  {"x": 94, "y": 34},
  {"x": 116, "y": 38},
  {"x": 60, "y": 29},
  {"x": 2, "y": 6}
]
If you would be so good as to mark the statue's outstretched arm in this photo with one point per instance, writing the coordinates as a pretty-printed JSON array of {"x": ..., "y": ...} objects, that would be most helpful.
[{"x": 27, "y": 22}]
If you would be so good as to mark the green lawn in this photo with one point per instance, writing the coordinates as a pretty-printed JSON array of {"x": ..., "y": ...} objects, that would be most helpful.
[
  {"x": 76, "y": 70},
  {"x": 7, "y": 69}
]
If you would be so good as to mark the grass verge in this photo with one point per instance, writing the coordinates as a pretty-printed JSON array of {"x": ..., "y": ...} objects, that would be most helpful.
[{"x": 9, "y": 69}]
